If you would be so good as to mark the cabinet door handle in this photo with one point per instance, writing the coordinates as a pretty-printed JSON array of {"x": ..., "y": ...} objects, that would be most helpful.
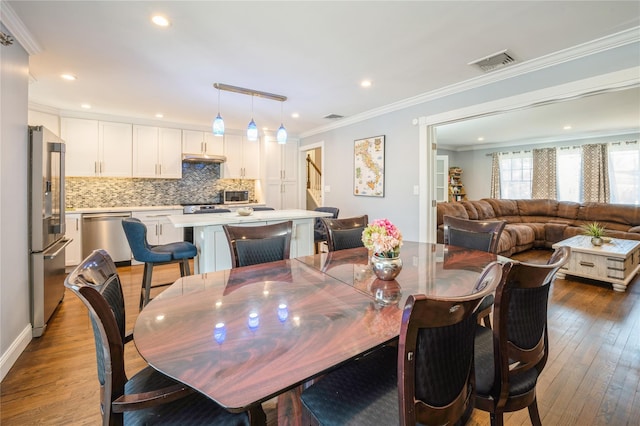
[
  {"x": 95, "y": 167},
  {"x": 589, "y": 264},
  {"x": 101, "y": 168},
  {"x": 203, "y": 147},
  {"x": 160, "y": 169},
  {"x": 160, "y": 229},
  {"x": 77, "y": 224}
]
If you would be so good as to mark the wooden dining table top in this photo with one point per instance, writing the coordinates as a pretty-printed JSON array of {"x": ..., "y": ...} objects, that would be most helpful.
[{"x": 245, "y": 335}]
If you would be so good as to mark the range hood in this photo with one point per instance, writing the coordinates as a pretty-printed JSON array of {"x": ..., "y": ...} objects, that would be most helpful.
[{"x": 203, "y": 158}]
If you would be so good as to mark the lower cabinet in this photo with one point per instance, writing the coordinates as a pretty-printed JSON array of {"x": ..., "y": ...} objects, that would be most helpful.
[
  {"x": 213, "y": 241},
  {"x": 73, "y": 252},
  {"x": 160, "y": 230}
]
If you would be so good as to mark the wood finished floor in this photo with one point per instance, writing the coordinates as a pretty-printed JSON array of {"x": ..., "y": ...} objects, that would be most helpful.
[{"x": 592, "y": 376}]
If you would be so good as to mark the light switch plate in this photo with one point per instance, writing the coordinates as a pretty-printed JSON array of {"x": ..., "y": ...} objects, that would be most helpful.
[{"x": 416, "y": 190}]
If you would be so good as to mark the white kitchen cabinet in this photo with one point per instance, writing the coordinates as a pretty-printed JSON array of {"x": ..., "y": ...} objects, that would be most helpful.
[
  {"x": 243, "y": 158},
  {"x": 196, "y": 142},
  {"x": 281, "y": 174},
  {"x": 157, "y": 152},
  {"x": 160, "y": 230},
  {"x": 73, "y": 231},
  {"x": 96, "y": 148}
]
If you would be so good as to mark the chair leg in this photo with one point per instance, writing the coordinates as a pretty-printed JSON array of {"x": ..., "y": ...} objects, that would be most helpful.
[
  {"x": 534, "y": 414},
  {"x": 145, "y": 292},
  {"x": 184, "y": 268},
  {"x": 497, "y": 419}
]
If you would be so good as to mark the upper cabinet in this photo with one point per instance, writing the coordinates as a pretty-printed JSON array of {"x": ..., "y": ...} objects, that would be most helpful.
[
  {"x": 96, "y": 148},
  {"x": 243, "y": 157},
  {"x": 281, "y": 172},
  {"x": 157, "y": 152},
  {"x": 196, "y": 142}
]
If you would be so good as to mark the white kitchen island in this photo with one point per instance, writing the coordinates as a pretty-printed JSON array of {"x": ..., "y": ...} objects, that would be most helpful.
[{"x": 213, "y": 249}]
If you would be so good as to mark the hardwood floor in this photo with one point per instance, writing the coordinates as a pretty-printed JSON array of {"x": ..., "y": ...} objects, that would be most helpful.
[{"x": 592, "y": 376}]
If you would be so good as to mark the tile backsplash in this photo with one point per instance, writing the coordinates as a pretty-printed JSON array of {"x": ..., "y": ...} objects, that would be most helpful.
[{"x": 200, "y": 183}]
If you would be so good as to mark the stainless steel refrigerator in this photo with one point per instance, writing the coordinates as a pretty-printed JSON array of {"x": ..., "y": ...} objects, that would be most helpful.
[{"x": 46, "y": 225}]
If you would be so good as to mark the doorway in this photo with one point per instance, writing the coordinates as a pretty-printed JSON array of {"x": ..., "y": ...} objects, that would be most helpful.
[{"x": 312, "y": 157}]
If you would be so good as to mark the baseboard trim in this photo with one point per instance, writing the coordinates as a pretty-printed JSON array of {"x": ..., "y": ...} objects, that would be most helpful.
[{"x": 15, "y": 350}]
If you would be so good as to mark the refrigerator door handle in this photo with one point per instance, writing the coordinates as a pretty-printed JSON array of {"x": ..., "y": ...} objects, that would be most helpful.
[{"x": 60, "y": 247}]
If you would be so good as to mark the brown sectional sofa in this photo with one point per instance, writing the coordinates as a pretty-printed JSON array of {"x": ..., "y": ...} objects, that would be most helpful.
[{"x": 541, "y": 223}]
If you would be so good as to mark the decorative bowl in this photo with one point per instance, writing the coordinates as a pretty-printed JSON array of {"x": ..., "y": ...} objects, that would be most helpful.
[{"x": 245, "y": 211}]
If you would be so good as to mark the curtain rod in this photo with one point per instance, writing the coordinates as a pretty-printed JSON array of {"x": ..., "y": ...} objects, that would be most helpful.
[{"x": 250, "y": 92}]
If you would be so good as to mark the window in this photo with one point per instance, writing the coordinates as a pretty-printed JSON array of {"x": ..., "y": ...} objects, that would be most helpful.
[
  {"x": 569, "y": 174},
  {"x": 515, "y": 175},
  {"x": 624, "y": 172}
]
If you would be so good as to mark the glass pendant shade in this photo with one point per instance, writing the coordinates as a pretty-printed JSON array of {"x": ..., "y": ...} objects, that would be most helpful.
[
  {"x": 218, "y": 126},
  {"x": 281, "y": 135},
  {"x": 252, "y": 131}
]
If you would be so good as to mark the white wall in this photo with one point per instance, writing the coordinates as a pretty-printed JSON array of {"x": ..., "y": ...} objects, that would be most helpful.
[{"x": 15, "y": 326}]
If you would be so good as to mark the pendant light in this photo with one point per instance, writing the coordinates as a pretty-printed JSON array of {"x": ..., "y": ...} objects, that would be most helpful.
[
  {"x": 252, "y": 129},
  {"x": 218, "y": 123},
  {"x": 281, "y": 134}
]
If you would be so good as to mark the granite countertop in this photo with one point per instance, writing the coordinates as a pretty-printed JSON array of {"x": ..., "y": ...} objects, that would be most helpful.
[{"x": 187, "y": 220}]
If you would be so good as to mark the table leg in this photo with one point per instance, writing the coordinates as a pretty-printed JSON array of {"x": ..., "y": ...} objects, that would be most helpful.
[{"x": 290, "y": 407}]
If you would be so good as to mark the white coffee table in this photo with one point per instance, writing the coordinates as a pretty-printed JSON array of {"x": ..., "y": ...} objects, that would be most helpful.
[{"x": 616, "y": 261}]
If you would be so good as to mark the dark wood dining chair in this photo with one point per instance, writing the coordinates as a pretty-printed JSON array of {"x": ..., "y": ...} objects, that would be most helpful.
[
  {"x": 510, "y": 358},
  {"x": 345, "y": 233},
  {"x": 319, "y": 230},
  {"x": 250, "y": 245},
  {"x": 428, "y": 378},
  {"x": 478, "y": 235},
  {"x": 148, "y": 397}
]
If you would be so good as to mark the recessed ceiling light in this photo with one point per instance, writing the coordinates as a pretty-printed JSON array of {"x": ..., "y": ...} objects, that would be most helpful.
[
  {"x": 481, "y": 138},
  {"x": 160, "y": 21},
  {"x": 567, "y": 127},
  {"x": 69, "y": 77},
  {"x": 295, "y": 115},
  {"x": 85, "y": 106},
  {"x": 365, "y": 83},
  {"x": 159, "y": 115}
]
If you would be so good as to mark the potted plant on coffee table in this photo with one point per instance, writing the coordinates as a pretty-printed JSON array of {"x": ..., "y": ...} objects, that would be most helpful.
[{"x": 595, "y": 231}]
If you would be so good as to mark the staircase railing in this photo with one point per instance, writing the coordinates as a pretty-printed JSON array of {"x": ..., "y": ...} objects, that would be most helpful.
[{"x": 314, "y": 180}]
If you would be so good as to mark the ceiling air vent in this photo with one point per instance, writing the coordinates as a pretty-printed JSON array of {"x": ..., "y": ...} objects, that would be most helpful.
[
  {"x": 494, "y": 61},
  {"x": 333, "y": 116}
]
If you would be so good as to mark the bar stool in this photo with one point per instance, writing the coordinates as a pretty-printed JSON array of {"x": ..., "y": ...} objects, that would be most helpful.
[{"x": 178, "y": 252}]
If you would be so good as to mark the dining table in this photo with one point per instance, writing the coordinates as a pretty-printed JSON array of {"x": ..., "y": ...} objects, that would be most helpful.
[{"x": 246, "y": 335}]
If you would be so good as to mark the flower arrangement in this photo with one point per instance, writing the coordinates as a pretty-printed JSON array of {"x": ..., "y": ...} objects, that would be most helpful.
[{"x": 383, "y": 238}]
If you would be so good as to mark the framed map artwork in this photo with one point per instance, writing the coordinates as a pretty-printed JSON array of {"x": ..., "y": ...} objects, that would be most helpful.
[{"x": 368, "y": 166}]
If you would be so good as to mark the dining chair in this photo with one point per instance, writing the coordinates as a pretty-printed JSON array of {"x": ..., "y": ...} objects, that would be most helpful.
[
  {"x": 250, "y": 245},
  {"x": 177, "y": 252},
  {"x": 148, "y": 397},
  {"x": 510, "y": 358},
  {"x": 477, "y": 235},
  {"x": 319, "y": 230},
  {"x": 345, "y": 233},
  {"x": 428, "y": 378}
]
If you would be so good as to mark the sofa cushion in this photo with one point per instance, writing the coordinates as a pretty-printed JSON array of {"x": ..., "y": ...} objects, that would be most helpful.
[
  {"x": 452, "y": 209},
  {"x": 483, "y": 209},
  {"x": 568, "y": 210},
  {"x": 521, "y": 234},
  {"x": 610, "y": 213},
  {"x": 548, "y": 208},
  {"x": 506, "y": 210}
]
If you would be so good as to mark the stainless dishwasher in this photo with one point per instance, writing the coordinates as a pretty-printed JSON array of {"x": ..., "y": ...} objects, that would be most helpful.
[{"x": 104, "y": 231}]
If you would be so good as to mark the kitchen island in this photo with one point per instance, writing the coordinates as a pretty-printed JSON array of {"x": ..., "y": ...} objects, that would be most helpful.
[{"x": 213, "y": 249}]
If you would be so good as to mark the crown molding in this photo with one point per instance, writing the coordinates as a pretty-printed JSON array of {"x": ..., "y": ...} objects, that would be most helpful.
[
  {"x": 18, "y": 30},
  {"x": 612, "y": 41}
]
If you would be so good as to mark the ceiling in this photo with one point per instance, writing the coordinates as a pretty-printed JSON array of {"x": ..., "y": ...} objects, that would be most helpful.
[{"x": 315, "y": 53}]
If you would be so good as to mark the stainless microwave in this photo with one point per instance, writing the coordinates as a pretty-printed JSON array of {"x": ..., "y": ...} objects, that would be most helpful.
[{"x": 236, "y": 197}]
